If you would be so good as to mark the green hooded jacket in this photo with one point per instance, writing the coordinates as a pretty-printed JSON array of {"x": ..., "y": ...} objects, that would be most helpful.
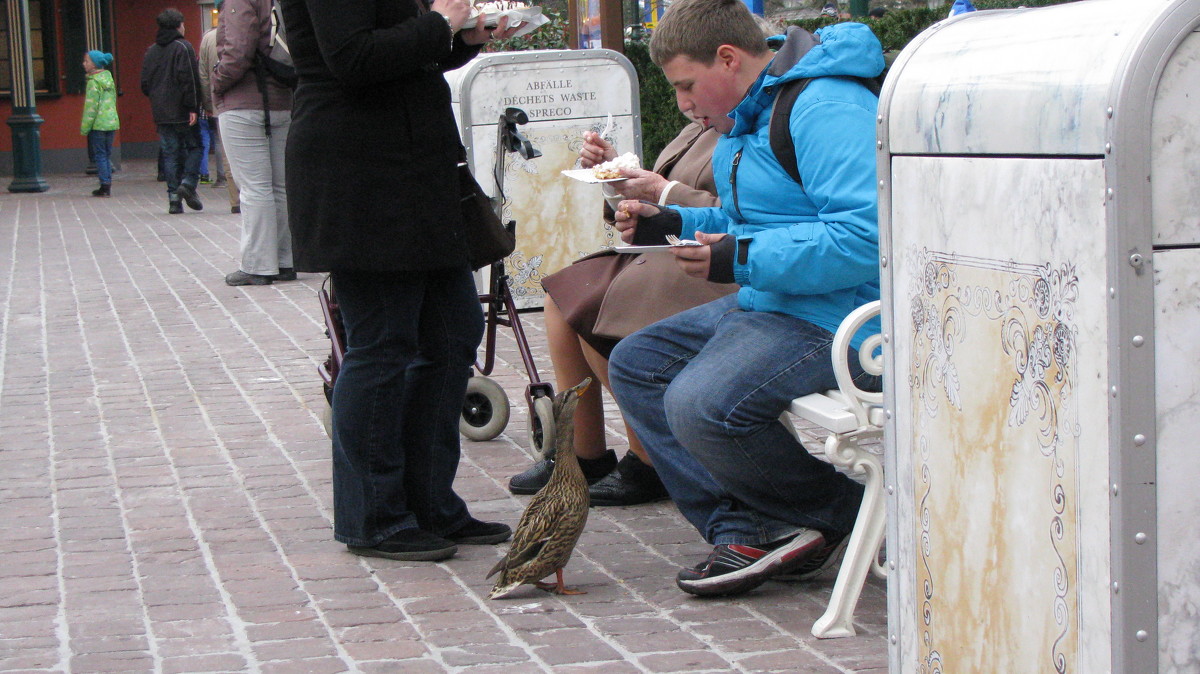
[{"x": 100, "y": 104}]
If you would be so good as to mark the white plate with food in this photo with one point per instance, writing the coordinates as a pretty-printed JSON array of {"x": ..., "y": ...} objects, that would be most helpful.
[
  {"x": 589, "y": 176},
  {"x": 528, "y": 18}
]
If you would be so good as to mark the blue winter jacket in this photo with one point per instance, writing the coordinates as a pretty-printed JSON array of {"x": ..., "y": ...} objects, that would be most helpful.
[{"x": 814, "y": 250}]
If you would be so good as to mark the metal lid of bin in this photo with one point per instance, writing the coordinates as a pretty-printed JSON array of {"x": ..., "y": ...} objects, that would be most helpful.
[
  {"x": 1036, "y": 81},
  {"x": 480, "y": 87}
]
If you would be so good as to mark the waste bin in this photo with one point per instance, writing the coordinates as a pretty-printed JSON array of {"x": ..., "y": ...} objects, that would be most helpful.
[
  {"x": 1040, "y": 249},
  {"x": 564, "y": 93}
]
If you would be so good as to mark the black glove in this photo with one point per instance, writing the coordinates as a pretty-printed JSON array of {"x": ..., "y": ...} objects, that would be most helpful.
[
  {"x": 652, "y": 230},
  {"x": 720, "y": 259}
]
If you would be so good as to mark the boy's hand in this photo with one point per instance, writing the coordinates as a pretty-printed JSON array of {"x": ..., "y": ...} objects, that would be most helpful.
[
  {"x": 595, "y": 150},
  {"x": 696, "y": 260},
  {"x": 626, "y": 218}
]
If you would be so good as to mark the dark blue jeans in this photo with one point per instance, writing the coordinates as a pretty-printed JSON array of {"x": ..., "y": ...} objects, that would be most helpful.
[
  {"x": 100, "y": 146},
  {"x": 704, "y": 389},
  {"x": 411, "y": 339},
  {"x": 181, "y": 148}
]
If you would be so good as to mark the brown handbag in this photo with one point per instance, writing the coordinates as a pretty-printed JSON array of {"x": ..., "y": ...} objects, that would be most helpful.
[{"x": 486, "y": 238}]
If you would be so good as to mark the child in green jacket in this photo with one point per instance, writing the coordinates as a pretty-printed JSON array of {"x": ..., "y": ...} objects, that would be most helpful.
[{"x": 100, "y": 120}]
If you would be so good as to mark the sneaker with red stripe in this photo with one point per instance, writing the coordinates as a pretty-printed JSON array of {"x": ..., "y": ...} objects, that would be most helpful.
[{"x": 733, "y": 569}]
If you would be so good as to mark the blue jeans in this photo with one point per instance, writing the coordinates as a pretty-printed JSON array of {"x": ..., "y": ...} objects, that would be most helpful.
[
  {"x": 181, "y": 155},
  {"x": 411, "y": 339},
  {"x": 100, "y": 146},
  {"x": 703, "y": 390},
  {"x": 205, "y": 144}
]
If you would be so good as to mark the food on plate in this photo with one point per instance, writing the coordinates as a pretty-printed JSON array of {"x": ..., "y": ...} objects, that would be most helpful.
[{"x": 612, "y": 169}]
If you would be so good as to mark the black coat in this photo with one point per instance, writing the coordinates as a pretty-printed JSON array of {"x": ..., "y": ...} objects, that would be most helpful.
[
  {"x": 373, "y": 147},
  {"x": 171, "y": 78}
]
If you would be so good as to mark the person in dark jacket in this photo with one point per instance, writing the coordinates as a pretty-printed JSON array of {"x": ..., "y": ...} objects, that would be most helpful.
[
  {"x": 170, "y": 77},
  {"x": 373, "y": 199}
]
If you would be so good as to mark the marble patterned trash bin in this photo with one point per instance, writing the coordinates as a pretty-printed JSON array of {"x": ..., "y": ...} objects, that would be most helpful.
[
  {"x": 1040, "y": 241},
  {"x": 564, "y": 93}
]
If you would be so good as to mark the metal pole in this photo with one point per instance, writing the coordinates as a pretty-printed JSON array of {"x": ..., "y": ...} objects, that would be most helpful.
[{"x": 24, "y": 122}]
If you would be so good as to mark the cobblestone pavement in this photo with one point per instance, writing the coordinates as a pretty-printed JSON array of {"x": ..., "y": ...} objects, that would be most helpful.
[{"x": 166, "y": 498}]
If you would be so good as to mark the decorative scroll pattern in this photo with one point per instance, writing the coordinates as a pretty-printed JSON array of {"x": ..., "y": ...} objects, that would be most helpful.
[
  {"x": 1033, "y": 311},
  {"x": 529, "y": 185}
]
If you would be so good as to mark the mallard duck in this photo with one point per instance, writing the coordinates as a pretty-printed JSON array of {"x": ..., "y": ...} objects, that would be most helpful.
[{"x": 545, "y": 537}]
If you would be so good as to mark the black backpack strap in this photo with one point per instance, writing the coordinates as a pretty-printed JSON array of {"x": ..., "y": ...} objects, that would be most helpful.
[{"x": 780, "y": 132}]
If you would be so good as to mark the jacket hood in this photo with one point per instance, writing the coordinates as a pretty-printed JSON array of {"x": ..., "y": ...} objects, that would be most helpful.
[
  {"x": 166, "y": 36},
  {"x": 840, "y": 50},
  {"x": 103, "y": 79},
  {"x": 843, "y": 49}
]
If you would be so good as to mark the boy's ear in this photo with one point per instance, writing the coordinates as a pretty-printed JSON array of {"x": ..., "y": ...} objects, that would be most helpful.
[{"x": 728, "y": 56}]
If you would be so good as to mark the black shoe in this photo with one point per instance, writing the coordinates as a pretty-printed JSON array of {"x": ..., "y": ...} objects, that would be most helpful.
[
  {"x": 532, "y": 480},
  {"x": 409, "y": 545},
  {"x": 476, "y": 532},
  {"x": 235, "y": 209},
  {"x": 285, "y": 274},
  {"x": 102, "y": 191},
  {"x": 188, "y": 194},
  {"x": 175, "y": 207},
  {"x": 734, "y": 569},
  {"x": 241, "y": 278},
  {"x": 826, "y": 558},
  {"x": 633, "y": 482}
]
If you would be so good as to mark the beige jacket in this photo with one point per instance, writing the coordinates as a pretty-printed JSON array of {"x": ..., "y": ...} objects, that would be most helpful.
[{"x": 208, "y": 59}]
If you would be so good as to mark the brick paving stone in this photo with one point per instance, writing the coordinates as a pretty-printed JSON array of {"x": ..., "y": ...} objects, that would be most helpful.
[{"x": 167, "y": 503}]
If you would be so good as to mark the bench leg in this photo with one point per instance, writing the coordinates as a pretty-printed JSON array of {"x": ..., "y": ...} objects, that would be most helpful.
[{"x": 862, "y": 550}]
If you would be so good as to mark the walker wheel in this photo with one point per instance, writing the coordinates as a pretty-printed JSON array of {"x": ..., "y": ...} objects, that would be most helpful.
[
  {"x": 485, "y": 410},
  {"x": 327, "y": 418},
  {"x": 541, "y": 428}
]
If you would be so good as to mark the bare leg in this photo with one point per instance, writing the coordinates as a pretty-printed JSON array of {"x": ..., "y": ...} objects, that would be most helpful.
[
  {"x": 570, "y": 368},
  {"x": 599, "y": 364}
]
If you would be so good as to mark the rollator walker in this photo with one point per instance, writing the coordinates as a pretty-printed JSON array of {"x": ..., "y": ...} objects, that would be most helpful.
[{"x": 485, "y": 411}]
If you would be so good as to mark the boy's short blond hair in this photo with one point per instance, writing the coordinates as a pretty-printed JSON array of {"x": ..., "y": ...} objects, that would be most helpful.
[{"x": 695, "y": 28}]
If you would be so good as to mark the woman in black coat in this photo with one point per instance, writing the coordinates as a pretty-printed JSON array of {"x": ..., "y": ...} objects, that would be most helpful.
[{"x": 373, "y": 199}]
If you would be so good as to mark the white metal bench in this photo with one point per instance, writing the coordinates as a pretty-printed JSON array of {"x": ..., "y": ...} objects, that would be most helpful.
[{"x": 852, "y": 417}]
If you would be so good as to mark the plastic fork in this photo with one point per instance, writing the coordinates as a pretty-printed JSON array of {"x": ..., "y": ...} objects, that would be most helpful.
[{"x": 607, "y": 127}]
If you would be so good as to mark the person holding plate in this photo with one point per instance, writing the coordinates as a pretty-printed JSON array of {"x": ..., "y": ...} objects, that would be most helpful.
[{"x": 372, "y": 177}]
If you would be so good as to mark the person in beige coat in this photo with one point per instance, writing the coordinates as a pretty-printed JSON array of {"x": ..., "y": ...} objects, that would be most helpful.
[
  {"x": 208, "y": 59},
  {"x": 254, "y": 131},
  {"x": 591, "y": 304}
]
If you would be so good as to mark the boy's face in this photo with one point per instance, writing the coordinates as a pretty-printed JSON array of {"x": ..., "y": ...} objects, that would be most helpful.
[{"x": 707, "y": 93}]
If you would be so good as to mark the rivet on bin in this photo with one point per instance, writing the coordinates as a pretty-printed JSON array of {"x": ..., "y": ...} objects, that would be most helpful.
[
  {"x": 1139, "y": 538},
  {"x": 1139, "y": 439}
]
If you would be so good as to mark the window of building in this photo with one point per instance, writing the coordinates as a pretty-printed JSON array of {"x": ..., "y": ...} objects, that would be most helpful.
[{"x": 41, "y": 46}]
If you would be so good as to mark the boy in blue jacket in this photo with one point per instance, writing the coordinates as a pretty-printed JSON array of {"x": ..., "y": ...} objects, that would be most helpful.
[{"x": 705, "y": 388}]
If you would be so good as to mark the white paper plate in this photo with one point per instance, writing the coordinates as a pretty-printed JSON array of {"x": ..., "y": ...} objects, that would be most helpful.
[
  {"x": 529, "y": 19},
  {"x": 589, "y": 176}
]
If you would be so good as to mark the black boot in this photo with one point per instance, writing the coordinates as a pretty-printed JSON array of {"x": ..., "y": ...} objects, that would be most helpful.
[
  {"x": 102, "y": 191},
  {"x": 174, "y": 207},
  {"x": 536, "y": 477},
  {"x": 632, "y": 482}
]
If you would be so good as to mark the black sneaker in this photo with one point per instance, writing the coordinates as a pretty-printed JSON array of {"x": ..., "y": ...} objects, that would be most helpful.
[
  {"x": 188, "y": 194},
  {"x": 825, "y": 559},
  {"x": 285, "y": 274},
  {"x": 532, "y": 480},
  {"x": 632, "y": 482},
  {"x": 409, "y": 545},
  {"x": 733, "y": 569},
  {"x": 475, "y": 532}
]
